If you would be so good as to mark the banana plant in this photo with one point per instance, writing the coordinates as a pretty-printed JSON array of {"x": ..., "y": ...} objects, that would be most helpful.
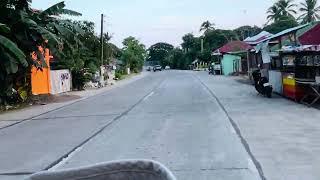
[{"x": 10, "y": 54}]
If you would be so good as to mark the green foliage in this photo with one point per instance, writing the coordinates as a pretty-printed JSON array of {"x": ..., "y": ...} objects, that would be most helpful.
[
  {"x": 119, "y": 74},
  {"x": 247, "y": 31},
  {"x": 282, "y": 8},
  {"x": 159, "y": 52},
  {"x": 177, "y": 59},
  {"x": 58, "y": 9},
  {"x": 12, "y": 55},
  {"x": 205, "y": 56},
  {"x": 287, "y": 7},
  {"x": 133, "y": 54},
  {"x": 206, "y": 26},
  {"x": 22, "y": 29},
  {"x": 79, "y": 78},
  {"x": 19, "y": 36},
  {"x": 310, "y": 11},
  {"x": 274, "y": 13},
  {"x": 282, "y": 24}
]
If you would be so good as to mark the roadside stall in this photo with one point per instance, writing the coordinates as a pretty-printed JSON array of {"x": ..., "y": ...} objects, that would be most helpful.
[{"x": 301, "y": 73}]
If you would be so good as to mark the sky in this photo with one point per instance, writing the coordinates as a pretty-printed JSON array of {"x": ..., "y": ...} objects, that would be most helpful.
[{"x": 164, "y": 20}]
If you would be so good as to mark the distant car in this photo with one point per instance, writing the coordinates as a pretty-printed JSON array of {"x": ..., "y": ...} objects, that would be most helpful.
[
  {"x": 157, "y": 68},
  {"x": 149, "y": 68},
  {"x": 167, "y": 68}
]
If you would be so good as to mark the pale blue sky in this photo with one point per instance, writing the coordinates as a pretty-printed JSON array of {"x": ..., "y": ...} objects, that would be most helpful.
[{"x": 165, "y": 20}]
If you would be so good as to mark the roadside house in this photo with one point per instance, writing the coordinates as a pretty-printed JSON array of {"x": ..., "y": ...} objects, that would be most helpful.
[{"x": 232, "y": 57}]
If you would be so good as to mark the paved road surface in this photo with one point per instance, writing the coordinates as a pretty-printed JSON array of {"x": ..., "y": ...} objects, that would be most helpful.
[{"x": 167, "y": 116}]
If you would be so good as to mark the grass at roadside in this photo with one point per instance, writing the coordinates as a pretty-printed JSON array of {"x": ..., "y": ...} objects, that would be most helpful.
[{"x": 122, "y": 77}]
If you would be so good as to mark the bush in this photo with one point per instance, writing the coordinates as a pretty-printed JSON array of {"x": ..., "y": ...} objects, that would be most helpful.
[
  {"x": 118, "y": 75},
  {"x": 79, "y": 79}
]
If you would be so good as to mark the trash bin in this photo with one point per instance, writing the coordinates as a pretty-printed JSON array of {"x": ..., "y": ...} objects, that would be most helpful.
[{"x": 116, "y": 170}]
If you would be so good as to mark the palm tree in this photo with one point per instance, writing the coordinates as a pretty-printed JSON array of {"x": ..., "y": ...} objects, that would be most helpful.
[
  {"x": 206, "y": 26},
  {"x": 310, "y": 11},
  {"x": 274, "y": 13},
  {"x": 287, "y": 7},
  {"x": 282, "y": 8}
]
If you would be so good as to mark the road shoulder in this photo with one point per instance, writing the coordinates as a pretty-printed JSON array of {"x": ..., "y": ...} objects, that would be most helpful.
[{"x": 282, "y": 135}]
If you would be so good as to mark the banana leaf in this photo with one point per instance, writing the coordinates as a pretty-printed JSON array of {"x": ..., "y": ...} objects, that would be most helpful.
[
  {"x": 4, "y": 28},
  {"x": 10, "y": 63},
  {"x": 13, "y": 49},
  {"x": 72, "y": 25},
  {"x": 58, "y": 9},
  {"x": 52, "y": 38}
]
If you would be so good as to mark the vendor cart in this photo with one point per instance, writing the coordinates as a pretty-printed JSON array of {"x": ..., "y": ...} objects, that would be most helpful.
[{"x": 301, "y": 71}]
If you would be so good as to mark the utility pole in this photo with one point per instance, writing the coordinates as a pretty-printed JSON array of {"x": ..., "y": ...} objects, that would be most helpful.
[{"x": 101, "y": 41}]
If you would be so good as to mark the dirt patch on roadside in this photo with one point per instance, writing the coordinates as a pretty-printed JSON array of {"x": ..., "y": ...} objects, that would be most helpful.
[
  {"x": 54, "y": 99},
  {"x": 40, "y": 100}
]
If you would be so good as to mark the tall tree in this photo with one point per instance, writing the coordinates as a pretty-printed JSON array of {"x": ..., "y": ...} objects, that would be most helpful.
[
  {"x": 287, "y": 7},
  {"x": 188, "y": 42},
  {"x": 177, "y": 59},
  {"x": 282, "y": 24},
  {"x": 133, "y": 54},
  {"x": 282, "y": 8},
  {"x": 274, "y": 13},
  {"x": 159, "y": 52},
  {"x": 247, "y": 31},
  {"x": 206, "y": 26},
  {"x": 310, "y": 11}
]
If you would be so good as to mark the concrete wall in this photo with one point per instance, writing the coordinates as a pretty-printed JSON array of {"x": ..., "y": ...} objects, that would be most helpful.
[
  {"x": 230, "y": 64},
  {"x": 60, "y": 81}
]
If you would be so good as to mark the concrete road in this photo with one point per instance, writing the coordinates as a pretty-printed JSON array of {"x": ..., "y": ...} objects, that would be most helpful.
[{"x": 169, "y": 116}]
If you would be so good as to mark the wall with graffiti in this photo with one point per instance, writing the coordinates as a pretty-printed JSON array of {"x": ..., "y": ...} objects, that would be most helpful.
[{"x": 60, "y": 81}]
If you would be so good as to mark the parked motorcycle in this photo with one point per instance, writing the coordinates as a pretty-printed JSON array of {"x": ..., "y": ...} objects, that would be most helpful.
[
  {"x": 211, "y": 71},
  {"x": 262, "y": 84}
]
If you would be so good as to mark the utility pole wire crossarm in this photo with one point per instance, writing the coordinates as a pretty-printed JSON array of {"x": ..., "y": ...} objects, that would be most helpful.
[{"x": 101, "y": 73}]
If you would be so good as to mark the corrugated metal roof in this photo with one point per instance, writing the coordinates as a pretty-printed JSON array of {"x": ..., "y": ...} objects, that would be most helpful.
[
  {"x": 287, "y": 31},
  {"x": 258, "y": 38}
]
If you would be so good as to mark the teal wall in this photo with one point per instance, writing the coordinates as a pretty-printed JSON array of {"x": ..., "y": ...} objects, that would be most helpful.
[{"x": 229, "y": 63}]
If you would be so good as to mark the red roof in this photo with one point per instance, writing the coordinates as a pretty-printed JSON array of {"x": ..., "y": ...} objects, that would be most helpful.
[
  {"x": 311, "y": 37},
  {"x": 234, "y": 46}
]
